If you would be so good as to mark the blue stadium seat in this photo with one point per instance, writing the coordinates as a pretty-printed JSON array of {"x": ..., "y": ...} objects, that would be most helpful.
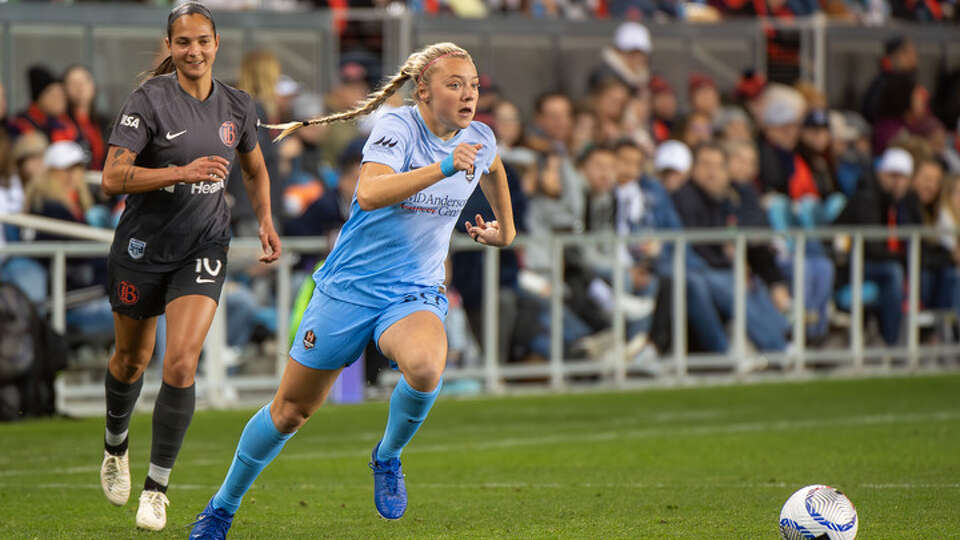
[{"x": 844, "y": 296}]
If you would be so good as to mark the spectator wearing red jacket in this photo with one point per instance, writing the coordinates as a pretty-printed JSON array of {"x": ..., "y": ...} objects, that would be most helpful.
[{"x": 47, "y": 112}]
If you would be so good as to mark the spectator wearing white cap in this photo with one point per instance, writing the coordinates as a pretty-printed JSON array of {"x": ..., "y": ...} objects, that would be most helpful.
[
  {"x": 671, "y": 163},
  {"x": 886, "y": 203},
  {"x": 628, "y": 59},
  {"x": 287, "y": 89},
  {"x": 780, "y": 166},
  {"x": 61, "y": 191}
]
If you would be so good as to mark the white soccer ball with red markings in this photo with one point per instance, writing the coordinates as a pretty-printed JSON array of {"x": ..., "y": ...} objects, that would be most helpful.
[{"x": 818, "y": 513}]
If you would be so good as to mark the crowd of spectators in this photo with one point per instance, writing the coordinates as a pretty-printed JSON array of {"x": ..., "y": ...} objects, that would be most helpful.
[
  {"x": 872, "y": 12},
  {"x": 628, "y": 157},
  {"x": 631, "y": 157}
]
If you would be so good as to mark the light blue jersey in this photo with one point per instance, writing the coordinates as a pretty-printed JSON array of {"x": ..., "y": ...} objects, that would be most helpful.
[{"x": 400, "y": 249}]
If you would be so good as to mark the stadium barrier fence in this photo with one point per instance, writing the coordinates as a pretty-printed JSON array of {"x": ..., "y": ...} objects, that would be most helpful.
[{"x": 617, "y": 370}]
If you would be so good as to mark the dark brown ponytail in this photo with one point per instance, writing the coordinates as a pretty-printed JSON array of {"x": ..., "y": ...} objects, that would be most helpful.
[{"x": 165, "y": 67}]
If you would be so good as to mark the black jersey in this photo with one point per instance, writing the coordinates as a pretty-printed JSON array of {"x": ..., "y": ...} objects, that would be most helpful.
[{"x": 167, "y": 127}]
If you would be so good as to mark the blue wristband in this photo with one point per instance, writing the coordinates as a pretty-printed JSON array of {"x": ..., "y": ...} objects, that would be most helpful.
[{"x": 446, "y": 166}]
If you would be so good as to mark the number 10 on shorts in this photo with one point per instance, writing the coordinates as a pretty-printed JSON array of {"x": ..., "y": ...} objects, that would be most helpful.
[{"x": 204, "y": 267}]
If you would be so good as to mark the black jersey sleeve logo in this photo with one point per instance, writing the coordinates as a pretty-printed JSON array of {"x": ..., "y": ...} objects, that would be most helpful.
[{"x": 386, "y": 141}]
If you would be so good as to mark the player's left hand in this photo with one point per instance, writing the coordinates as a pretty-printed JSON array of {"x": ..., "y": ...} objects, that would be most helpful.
[
  {"x": 270, "y": 242},
  {"x": 485, "y": 232}
]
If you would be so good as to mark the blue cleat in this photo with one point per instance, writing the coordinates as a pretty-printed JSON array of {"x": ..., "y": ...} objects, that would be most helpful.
[
  {"x": 389, "y": 490},
  {"x": 211, "y": 524}
]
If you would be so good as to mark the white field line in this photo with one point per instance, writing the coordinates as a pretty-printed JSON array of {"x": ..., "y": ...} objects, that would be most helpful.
[
  {"x": 567, "y": 438},
  {"x": 373, "y": 436},
  {"x": 515, "y": 485}
]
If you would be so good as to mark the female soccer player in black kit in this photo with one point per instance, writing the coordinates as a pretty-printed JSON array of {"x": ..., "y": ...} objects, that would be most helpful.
[{"x": 171, "y": 149}]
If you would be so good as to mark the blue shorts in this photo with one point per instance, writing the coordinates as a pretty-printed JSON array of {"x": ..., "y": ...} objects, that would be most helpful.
[{"x": 333, "y": 333}]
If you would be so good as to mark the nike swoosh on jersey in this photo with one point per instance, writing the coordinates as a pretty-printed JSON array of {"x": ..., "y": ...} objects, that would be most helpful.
[
  {"x": 172, "y": 136},
  {"x": 202, "y": 280}
]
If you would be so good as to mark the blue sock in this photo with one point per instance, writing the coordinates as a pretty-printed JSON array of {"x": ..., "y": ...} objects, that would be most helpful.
[
  {"x": 408, "y": 409},
  {"x": 259, "y": 443}
]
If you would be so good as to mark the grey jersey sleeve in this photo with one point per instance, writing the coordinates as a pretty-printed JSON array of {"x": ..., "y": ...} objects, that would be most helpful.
[
  {"x": 135, "y": 124},
  {"x": 248, "y": 133}
]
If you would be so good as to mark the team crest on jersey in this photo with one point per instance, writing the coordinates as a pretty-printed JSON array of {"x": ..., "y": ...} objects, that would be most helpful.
[
  {"x": 228, "y": 133},
  {"x": 136, "y": 248},
  {"x": 309, "y": 340}
]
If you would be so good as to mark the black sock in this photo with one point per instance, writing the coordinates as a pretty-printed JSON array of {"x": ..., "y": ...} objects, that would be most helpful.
[
  {"x": 152, "y": 485},
  {"x": 121, "y": 399},
  {"x": 118, "y": 449},
  {"x": 171, "y": 418}
]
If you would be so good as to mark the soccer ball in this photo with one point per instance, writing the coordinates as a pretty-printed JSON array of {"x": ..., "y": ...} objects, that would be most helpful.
[{"x": 818, "y": 513}]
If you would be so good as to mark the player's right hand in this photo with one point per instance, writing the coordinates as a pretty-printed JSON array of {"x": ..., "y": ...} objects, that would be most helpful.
[
  {"x": 464, "y": 155},
  {"x": 205, "y": 169}
]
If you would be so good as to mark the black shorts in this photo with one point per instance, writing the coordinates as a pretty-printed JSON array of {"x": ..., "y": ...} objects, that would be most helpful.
[{"x": 141, "y": 294}]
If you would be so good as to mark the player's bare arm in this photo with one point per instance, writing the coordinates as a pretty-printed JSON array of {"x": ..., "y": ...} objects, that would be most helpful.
[
  {"x": 120, "y": 175},
  {"x": 502, "y": 231},
  {"x": 256, "y": 181}
]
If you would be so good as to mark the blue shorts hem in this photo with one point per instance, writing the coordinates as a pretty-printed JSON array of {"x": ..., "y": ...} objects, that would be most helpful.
[{"x": 333, "y": 333}]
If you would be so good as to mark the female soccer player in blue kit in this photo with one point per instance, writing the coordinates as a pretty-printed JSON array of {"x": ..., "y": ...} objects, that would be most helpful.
[{"x": 384, "y": 278}]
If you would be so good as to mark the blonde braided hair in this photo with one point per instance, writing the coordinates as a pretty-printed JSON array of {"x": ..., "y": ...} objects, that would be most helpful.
[{"x": 417, "y": 67}]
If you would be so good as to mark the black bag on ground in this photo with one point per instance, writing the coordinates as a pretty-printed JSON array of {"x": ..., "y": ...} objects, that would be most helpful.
[{"x": 31, "y": 354}]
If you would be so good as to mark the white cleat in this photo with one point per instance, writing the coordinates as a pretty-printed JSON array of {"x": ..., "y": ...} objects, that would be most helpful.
[
  {"x": 115, "y": 477},
  {"x": 152, "y": 514}
]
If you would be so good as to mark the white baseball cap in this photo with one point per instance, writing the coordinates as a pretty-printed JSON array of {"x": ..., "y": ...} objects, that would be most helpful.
[
  {"x": 897, "y": 161},
  {"x": 286, "y": 86},
  {"x": 782, "y": 105},
  {"x": 673, "y": 155},
  {"x": 63, "y": 155},
  {"x": 633, "y": 36},
  {"x": 307, "y": 105}
]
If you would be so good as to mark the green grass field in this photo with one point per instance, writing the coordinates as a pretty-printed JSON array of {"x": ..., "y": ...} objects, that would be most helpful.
[{"x": 687, "y": 463}]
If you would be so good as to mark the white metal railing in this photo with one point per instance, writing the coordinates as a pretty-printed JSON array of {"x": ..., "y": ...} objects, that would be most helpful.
[{"x": 220, "y": 390}]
